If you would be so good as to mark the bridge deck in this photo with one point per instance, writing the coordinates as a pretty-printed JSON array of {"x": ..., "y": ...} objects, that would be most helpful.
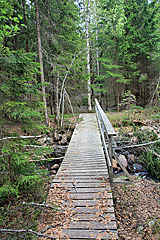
[{"x": 85, "y": 176}]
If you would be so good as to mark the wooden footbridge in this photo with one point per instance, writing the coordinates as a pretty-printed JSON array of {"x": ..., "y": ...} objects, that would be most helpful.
[{"x": 85, "y": 175}]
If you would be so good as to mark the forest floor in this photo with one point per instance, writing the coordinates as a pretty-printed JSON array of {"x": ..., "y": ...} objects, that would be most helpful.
[{"x": 137, "y": 210}]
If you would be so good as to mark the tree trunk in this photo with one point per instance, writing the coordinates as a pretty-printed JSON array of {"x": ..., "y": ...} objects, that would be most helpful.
[
  {"x": 25, "y": 23},
  {"x": 41, "y": 62},
  {"x": 117, "y": 84},
  {"x": 87, "y": 12}
]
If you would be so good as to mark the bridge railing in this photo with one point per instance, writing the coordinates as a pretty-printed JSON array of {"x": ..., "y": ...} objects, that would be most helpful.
[{"x": 107, "y": 131}]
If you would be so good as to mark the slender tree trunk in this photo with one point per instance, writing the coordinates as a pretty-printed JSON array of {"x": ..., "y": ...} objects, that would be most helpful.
[
  {"x": 62, "y": 110},
  {"x": 25, "y": 23},
  {"x": 97, "y": 49},
  {"x": 87, "y": 12},
  {"x": 117, "y": 84},
  {"x": 41, "y": 62}
]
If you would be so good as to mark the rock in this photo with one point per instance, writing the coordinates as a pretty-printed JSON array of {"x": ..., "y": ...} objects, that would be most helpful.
[
  {"x": 43, "y": 140},
  {"x": 114, "y": 164},
  {"x": 123, "y": 160},
  {"x": 55, "y": 166},
  {"x": 59, "y": 138},
  {"x": 118, "y": 170},
  {"x": 130, "y": 134},
  {"x": 151, "y": 223},
  {"x": 131, "y": 157},
  {"x": 140, "y": 228},
  {"x": 138, "y": 168},
  {"x": 53, "y": 172},
  {"x": 64, "y": 140},
  {"x": 147, "y": 128},
  {"x": 134, "y": 139}
]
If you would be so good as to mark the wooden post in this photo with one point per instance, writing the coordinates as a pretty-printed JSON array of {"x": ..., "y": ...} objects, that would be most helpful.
[{"x": 110, "y": 154}]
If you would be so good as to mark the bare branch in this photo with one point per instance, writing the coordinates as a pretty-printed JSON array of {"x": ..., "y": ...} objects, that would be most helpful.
[
  {"x": 49, "y": 159},
  {"x": 26, "y": 230},
  {"x": 139, "y": 145},
  {"x": 42, "y": 205},
  {"x": 25, "y": 137}
]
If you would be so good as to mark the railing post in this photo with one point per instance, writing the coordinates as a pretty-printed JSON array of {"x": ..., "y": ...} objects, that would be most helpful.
[{"x": 110, "y": 151}]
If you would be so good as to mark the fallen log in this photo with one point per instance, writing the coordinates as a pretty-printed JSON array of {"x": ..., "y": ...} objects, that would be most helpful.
[{"x": 24, "y": 137}]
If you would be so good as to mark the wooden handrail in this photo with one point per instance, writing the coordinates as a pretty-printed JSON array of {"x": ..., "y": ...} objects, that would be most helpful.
[
  {"x": 108, "y": 126},
  {"x": 106, "y": 129}
]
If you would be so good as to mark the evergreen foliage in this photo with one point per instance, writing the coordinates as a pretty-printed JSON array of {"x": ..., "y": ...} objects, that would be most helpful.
[{"x": 18, "y": 174}]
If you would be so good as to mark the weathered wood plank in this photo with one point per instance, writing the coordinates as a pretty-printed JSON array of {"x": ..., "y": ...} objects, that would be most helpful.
[
  {"x": 88, "y": 210},
  {"x": 89, "y": 190},
  {"x": 94, "y": 216},
  {"x": 76, "y": 180},
  {"x": 89, "y": 234},
  {"x": 88, "y": 196},
  {"x": 79, "y": 185},
  {"x": 105, "y": 224},
  {"x": 91, "y": 203}
]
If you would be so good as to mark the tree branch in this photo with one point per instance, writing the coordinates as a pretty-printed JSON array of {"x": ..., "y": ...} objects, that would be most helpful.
[
  {"x": 42, "y": 205},
  {"x": 25, "y": 137},
  {"x": 138, "y": 145},
  {"x": 26, "y": 230}
]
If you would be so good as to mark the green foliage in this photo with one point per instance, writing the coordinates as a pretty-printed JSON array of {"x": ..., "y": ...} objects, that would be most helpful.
[
  {"x": 152, "y": 163},
  {"x": 18, "y": 174},
  {"x": 128, "y": 100},
  {"x": 20, "y": 97},
  {"x": 9, "y": 24},
  {"x": 145, "y": 135}
]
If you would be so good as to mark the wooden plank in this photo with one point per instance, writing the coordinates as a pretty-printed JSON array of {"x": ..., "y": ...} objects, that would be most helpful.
[
  {"x": 89, "y": 190},
  {"x": 88, "y": 210},
  {"x": 82, "y": 178},
  {"x": 79, "y": 185},
  {"x": 94, "y": 216},
  {"x": 93, "y": 225},
  {"x": 89, "y": 234},
  {"x": 93, "y": 174},
  {"x": 88, "y": 196},
  {"x": 75, "y": 180},
  {"x": 69, "y": 170},
  {"x": 91, "y": 203}
]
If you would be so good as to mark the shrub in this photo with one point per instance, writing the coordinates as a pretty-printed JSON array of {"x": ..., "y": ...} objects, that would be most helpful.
[
  {"x": 152, "y": 163},
  {"x": 18, "y": 174}
]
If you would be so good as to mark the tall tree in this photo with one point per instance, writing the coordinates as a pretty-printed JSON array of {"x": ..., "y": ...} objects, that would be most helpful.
[
  {"x": 41, "y": 62},
  {"x": 87, "y": 21}
]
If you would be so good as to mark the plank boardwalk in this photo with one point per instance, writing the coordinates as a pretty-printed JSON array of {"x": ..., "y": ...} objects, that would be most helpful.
[{"x": 85, "y": 175}]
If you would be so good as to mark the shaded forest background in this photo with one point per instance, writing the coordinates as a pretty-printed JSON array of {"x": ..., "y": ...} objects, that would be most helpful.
[{"x": 113, "y": 44}]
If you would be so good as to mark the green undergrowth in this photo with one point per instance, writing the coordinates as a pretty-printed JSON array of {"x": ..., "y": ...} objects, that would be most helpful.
[
  {"x": 128, "y": 117},
  {"x": 129, "y": 128},
  {"x": 20, "y": 175},
  {"x": 151, "y": 162}
]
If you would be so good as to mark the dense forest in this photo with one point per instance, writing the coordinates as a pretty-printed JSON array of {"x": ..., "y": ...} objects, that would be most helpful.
[{"x": 69, "y": 52}]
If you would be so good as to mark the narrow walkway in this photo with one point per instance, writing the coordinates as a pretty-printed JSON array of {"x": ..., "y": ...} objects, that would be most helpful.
[{"x": 85, "y": 175}]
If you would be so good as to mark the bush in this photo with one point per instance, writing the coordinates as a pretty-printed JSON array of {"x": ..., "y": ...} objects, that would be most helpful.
[
  {"x": 152, "y": 163},
  {"x": 18, "y": 174}
]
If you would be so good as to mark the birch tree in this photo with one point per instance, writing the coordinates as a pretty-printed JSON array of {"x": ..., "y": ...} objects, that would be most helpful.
[
  {"x": 41, "y": 62},
  {"x": 87, "y": 19}
]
